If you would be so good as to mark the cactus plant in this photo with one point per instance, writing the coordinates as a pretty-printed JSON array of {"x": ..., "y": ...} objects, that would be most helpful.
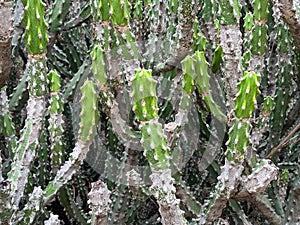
[{"x": 124, "y": 99}]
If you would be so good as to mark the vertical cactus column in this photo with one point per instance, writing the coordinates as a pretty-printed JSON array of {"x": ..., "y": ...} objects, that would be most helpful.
[
  {"x": 256, "y": 44},
  {"x": 283, "y": 74},
  {"x": 293, "y": 204},
  {"x": 231, "y": 43},
  {"x": 35, "y": 38},
  {"x": 111, "y": 22},
  {"x": 185, "y": 11},
  {"x": 262, "y": 123},
  {"x": 6, "y": 128},
  {"x": 248, "y": 26},
  {"x": 155, "y": 146},
  {"x": 259, "y": 35},
  {"x": 56, "y": 121},
  {"x": 245, "y": 104},
  {"x": 155, "y": 15},
  {"x": 6, "y": 125}
]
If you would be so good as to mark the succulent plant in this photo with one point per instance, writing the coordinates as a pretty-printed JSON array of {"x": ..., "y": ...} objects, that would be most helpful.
[{"x": 149, "y": 112}]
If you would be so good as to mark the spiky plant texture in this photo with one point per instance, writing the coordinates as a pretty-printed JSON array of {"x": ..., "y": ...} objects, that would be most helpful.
[{"x": 149, "y": 112}]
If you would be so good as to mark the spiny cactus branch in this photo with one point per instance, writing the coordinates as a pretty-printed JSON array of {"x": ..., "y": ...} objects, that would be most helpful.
[{"x": 138, "y": 85}]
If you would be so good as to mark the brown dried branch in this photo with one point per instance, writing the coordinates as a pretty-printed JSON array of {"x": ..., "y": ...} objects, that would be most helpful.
[{"x": 284, "y": 141}]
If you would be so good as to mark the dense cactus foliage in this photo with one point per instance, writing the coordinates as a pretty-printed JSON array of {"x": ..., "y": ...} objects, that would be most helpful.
[{"x": 150, "y": 112}]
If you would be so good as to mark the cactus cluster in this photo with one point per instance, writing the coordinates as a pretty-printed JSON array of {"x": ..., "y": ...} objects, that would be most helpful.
[{"x": 149, "y": 112}]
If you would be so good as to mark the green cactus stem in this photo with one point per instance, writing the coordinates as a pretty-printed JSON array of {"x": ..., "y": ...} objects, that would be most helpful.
[
  {"x": 119, "y": 12},
  {"x": 87, "y": 131},
  {"x": 245, "y": 104},
  {"x": 109, "y": 105},
  {"x": 137, "y": 85},
  {"x": 265, "y": 206},
  {"x": 56, "y": 121},
  {"x": 183, "y": 32},
  {"x": 283, "y": 74},
  {"x": 248, "y": 26},
  {"x": 73, "y": 210},
  {"x": 248, "y": 90},
  {"x": 239, "y": 138},
  {"x": 6, "y": 128},
  {"x": 196, "y": 67},
  {"x": 26, "y": 149},
  {"x": 154, "y": 142},
  {"x": 121, "y": 205},
  {"x": 293, "y": 205},
  {"x": 236, "y": 208},
  {"x": 81, "y": 74},
  {"x": 144, "y": 95},
  {"x": 290, "y": 17},
  {"x": 217, "y": 59},
  {"x": 98, "y": 67},
  {"x": 258, "y": 34},
  {"x": 35, "y": 27},
  {"x": 262, "y": 123},
  {"x": 19, "y": 93},
  {"x": 207, "y": 16},
  {"x": 155, "y": 147}
]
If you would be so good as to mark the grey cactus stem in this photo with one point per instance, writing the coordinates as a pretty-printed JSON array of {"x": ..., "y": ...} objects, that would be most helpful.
[
  {"x": 184, "y": 31},
  {"x": 5, "y": 41},
  {"x": 99, "y": 200},
  {"x": 231, "y": 43}
]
